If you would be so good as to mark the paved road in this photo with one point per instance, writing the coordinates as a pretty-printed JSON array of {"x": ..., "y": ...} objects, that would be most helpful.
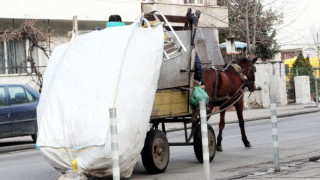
[{"x": 299, "y": 138}]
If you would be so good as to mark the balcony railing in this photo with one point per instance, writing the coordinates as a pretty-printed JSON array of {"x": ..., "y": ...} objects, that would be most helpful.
[{"x": 21, "y": 70}]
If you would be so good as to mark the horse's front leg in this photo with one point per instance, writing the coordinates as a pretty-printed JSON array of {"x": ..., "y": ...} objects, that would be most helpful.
[
  {"x": 239, "y": 109},
  {"x": 221, "y": 127}
]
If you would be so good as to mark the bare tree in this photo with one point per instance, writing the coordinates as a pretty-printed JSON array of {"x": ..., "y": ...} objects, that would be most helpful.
[
  {"x": 250, "y": 22},
  {"x": 254, "y": 27},
  {"x": 37, "y": 37},
  {"x": 315, "y": 37},
  {"x": 247, "y": 28}
]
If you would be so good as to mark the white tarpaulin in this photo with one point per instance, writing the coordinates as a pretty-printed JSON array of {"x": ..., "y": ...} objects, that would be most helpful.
[{"x": 79, "y": 88}]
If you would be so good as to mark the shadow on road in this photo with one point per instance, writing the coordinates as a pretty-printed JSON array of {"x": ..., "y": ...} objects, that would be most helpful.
[{"x": 14, "y": 143}]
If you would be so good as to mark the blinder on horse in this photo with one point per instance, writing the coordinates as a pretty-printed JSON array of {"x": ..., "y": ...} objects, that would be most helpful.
[{"x": 248, "y": 83}]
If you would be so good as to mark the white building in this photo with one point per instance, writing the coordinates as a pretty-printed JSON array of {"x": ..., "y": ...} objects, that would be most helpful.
[{"x": 57, "y": 15}]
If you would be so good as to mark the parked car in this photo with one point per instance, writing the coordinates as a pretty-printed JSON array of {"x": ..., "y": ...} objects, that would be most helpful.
[{"x": 18, "y": 110}]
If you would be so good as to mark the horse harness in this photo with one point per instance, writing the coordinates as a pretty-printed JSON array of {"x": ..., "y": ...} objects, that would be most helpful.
[{"x": 243, "y": 78}]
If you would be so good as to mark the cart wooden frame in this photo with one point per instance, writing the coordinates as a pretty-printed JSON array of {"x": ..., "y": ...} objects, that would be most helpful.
[{"x": 172, "y": 101}]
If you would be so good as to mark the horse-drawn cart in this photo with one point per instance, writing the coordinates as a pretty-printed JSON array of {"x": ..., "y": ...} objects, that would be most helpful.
[
  {"x": 175, "y": 87},
  {"x": 73, "y": 144}
]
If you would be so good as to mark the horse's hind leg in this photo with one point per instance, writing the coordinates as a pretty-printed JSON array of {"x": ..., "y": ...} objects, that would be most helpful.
[
  {"x": 239, "y": 109},
  {"x": 221, "y": 126}
]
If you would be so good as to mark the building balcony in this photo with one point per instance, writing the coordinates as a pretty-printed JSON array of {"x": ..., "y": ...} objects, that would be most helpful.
[{"x": 212, "y": 15}]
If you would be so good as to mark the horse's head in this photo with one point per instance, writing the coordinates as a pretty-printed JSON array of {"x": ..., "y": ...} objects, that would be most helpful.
[{"x": 248, "y": 69}]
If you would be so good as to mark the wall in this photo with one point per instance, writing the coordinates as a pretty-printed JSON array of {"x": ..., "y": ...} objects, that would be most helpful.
[
  {"x": 270, "y": 80},
  {"x": 92, "y": 10},
  {"x": 19, "y": 79},
  {"x": 260, "y": 97},
  {"x": 278, "y": 82},
  {"x": 290, "y": 53}
]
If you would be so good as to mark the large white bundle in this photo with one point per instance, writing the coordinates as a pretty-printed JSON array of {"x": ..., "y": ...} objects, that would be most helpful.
[{"x": 79, "y": 87}]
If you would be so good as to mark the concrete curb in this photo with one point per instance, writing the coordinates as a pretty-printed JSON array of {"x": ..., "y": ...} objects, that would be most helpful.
[
  {"x": 255, "y": 119},
  {"x": 16, "y": 148},
  {"x": 281, "y": 115}
]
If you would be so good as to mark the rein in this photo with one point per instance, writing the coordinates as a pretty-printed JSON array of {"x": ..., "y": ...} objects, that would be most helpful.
[
  {"x": 228, "y": 100},
  {"x": 234, "y": 94}
]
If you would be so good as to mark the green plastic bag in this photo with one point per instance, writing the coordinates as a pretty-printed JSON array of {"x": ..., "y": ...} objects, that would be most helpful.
[{"x": 198, "y": 95}]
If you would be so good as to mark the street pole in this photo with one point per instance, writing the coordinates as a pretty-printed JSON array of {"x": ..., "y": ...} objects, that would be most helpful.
[
  {"x": 75, "y": 30},
  {"x": 114, "y": 144},
  {"x": 205, "y": 143},
  {"x": 316, "y": 84},
  {"x": 318, "y": 48},
  {"x": 315, "y": 72},
  {"x": 6, "y": 65},
  {"x": 275, "y": 135}
]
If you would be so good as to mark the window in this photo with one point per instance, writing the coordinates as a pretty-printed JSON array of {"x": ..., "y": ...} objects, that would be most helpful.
[
  {"x": 18, "y": 95},
  {"x": 13, "y": 57},
  {"x": 30, "y": 97},
  {"x": 16, "y": 53},
  {"x": 193, "y": 1},
  {"x": 3, "y": 98}
]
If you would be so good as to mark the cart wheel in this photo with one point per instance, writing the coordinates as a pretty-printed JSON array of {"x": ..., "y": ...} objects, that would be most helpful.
[
  {"x": 155, "y": 153},
  {"x": 197, "y": 143}
]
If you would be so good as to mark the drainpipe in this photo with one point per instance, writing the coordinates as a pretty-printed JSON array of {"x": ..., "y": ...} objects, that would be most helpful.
[
  {"x": 6, "y": 57},
  {"x": 75, "y": 30},
  {"x": 29, "y": 70}
]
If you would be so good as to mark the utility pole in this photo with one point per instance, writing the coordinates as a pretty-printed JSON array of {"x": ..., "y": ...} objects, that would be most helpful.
[
  {"x": 316, "y": 85},
  {"x": 315, "y": 72},
  {"x": 75, "y": 30},
  {"x": 318, "y": 48}
]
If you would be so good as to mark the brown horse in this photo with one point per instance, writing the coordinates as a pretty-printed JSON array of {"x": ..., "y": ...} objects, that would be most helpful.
[{"x": 225, "y": 88}]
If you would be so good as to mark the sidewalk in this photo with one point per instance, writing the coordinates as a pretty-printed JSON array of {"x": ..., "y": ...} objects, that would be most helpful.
[
  {"x": 255, "y": 114},
  {"x": 307, "y": 169}
]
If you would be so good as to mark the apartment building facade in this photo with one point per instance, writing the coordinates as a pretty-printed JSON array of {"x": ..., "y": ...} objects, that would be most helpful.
[{"x": 57, "y": 16}]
